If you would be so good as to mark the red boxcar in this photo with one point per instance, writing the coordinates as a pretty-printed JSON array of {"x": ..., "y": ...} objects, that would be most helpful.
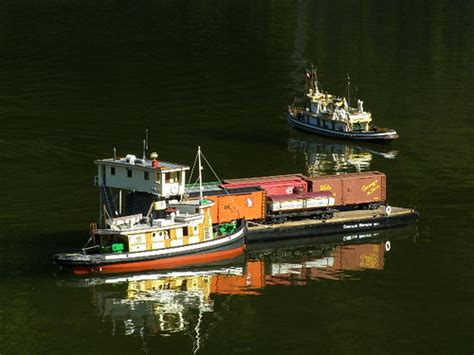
[
  {"x": 352, "y": 189},
  {"x": 265, "y": 178},
  {"x": 273, "y": 185}
]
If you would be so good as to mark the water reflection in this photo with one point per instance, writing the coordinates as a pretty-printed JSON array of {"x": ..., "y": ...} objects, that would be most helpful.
[
  {"x": 168, "y": 302},
  {"x": 329, "y": 156},
  {"x": 157, "y": 303},
  {"x": 321, "y": 259}
]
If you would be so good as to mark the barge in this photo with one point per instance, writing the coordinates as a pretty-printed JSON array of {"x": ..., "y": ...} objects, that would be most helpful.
[
  {"x": 295, "y": 205},
  {"x": 354, "y": 221}
]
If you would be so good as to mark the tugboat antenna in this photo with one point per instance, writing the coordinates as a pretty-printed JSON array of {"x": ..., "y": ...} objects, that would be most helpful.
[
  {"x": 145, "y": 144},
  {"x": 146, "y": 139},
  {"x": 348, "y": 90}
]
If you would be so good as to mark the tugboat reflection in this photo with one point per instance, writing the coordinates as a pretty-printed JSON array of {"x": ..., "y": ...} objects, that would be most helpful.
[
  {"x": 327, "y": 156},
  {"x": 164, "y": 303},
  {"x": 159, "y": 303}
]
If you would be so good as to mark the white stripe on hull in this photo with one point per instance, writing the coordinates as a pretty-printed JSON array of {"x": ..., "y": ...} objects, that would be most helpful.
[
  {"x": 330, "y": 132},
  {"x": 177, "y": 250}
]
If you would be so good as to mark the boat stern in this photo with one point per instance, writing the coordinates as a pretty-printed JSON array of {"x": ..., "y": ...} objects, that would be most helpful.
[{"x": 72, "y": 259}]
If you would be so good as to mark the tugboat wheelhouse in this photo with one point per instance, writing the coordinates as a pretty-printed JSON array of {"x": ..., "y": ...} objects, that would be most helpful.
[{"x": 168, "y": 230}]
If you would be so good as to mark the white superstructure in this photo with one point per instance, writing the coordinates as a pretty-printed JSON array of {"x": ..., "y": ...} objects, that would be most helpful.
[{"x": 163, "y": 179}]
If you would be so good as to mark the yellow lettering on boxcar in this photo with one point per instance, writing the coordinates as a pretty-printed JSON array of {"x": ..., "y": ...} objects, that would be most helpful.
[
  {"x": 325, "y": 187},
  {"x": 371, "y": 188}
]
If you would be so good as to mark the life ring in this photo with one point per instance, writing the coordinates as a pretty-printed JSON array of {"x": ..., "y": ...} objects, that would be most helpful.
[
  {"x": 388, "y": 245},
  {"x": 388, "y": 210}
]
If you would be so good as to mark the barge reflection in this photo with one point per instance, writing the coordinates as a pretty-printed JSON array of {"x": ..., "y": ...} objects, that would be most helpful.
[
  {"x": 329, "y": 156},
  {"x": 168, "y": 302}
]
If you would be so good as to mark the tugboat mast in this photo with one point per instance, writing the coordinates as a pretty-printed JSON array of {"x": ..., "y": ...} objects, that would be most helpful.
[
  {"x": 200, "y": 174},
  {"x": 315, "y": 79},
  {"x": 311, "y": 80}
]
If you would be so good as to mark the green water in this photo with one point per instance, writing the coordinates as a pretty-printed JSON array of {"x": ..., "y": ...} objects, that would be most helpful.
[{"x": 78, "y": 78}]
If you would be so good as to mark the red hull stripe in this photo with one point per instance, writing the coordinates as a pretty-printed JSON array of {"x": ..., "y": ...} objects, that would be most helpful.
[{"x": 165, "y": 263}]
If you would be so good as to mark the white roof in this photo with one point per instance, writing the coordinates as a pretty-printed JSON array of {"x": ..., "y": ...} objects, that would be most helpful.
[{"x": 132, "y": 161}]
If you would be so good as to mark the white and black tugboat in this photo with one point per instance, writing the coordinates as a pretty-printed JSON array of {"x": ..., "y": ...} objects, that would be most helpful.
[
  {"x": 328, "y": 115},
  {"x": 174, "y": 232}
]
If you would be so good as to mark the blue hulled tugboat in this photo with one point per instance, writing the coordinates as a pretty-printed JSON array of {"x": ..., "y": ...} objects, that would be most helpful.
[{"x": 332, "y": 116}]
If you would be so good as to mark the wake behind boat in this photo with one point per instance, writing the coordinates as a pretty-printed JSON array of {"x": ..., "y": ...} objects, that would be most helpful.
[{"x": 331, "y": 116}]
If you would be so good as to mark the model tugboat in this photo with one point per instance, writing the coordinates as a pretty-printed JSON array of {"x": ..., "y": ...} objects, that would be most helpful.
[
  {"x": 174, "y": 232},
  {"x": 328, "y": 115}
]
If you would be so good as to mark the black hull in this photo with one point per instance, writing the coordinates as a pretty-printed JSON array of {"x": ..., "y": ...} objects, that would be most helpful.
[
  {"x": 308, "y": 228},
  {"x": 374, "y": 137}
]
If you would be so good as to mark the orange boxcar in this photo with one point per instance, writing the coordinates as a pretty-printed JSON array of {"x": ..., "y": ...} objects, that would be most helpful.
[
  {"x": 247, "y": 202},
  {"x": 354, "y": 188}
]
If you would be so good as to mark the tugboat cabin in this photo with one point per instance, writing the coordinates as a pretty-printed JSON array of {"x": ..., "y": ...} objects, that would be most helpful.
[
  {"x": 188, "y": 223},
  {"x": 160, "y": 178},
  {"x": 164, "y": 222}
]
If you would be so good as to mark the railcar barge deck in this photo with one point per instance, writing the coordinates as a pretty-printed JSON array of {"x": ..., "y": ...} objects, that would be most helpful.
[{"x": 341, "y": 222}]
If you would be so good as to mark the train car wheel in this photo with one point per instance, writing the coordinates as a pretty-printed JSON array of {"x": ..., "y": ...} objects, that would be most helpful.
[
  {"x": 279, "y": 220},
  {"x": 326, "y": 215},
  {"x": 374, "y": 206}
]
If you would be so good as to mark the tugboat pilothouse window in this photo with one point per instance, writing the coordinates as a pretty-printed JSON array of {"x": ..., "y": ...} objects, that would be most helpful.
[
  {"x": 171, "y": 177},
  {"x": 129, "y": 173},
  {"x": 112, "y": 170},
  {"x": 146, "y": 175}
]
